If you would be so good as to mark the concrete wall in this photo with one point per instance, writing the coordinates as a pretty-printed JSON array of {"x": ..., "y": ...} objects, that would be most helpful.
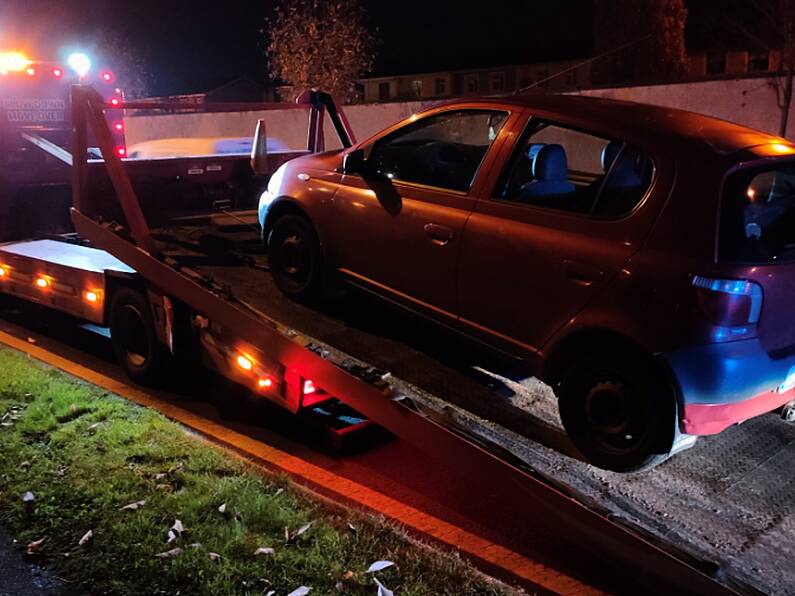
[
  {"x": 751, "y": 102},
  {"x": 286, "y": 128}
]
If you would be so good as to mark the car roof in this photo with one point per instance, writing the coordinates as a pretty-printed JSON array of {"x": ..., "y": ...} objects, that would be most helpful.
[{"x": 628, "y": 119}]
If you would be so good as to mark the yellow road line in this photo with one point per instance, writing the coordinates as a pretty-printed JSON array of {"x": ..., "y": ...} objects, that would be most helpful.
[{"x": 466, "y": 542}]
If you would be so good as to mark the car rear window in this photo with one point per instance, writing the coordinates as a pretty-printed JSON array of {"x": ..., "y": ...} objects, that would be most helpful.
[{"x": 757, "y": 219}]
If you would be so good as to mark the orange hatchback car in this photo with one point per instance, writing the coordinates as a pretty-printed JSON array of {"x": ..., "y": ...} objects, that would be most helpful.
[{"x": 623, "y": 251}]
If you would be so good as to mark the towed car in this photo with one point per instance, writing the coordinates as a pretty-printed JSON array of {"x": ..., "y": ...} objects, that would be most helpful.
[{"x": 639, "y": 259}]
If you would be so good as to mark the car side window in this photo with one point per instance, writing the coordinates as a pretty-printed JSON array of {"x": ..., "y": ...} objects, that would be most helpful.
[
  {"x": 562, "y": 168},
  {"x": 444, "y": 150}
]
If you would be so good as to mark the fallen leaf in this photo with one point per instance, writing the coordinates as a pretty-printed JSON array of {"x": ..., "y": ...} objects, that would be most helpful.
[
  {"x": 165, "y": 488},
  {"x": 214, "y": 556},
  {"x": 86, "y": 537},
  {"x": 95, "y": 426},
  {"x": 171, "y": 537},
  {"x": 352, "y": 528},
  {"x": 194, "y": 545},
  {"x": 379, "y": 565},
  {"x": 299, "y": 532},
  {"x": 161, "y": 476},
  {"x": 264, "y": 550},
  {"x": 222, "y": 508},
  {"x": 382, "y": 589},
  {"x": 302, "y": 591},
  {"x": 28, "y": 497},
  {"x": 169, "y": 553},
  {"x": 35, "y": 544},
  {"x": 347, "y": 575},
  {"x": 133, "y": 506},
  {"x": 278, "y": 492},
  {"x": 270, "y": 593},
  {"x": 73, "y": 408},
  {"x": 25, "y": 465}
]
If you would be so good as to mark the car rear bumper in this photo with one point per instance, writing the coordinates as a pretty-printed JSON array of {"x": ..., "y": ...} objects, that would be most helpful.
[{"x": 725, "y": 383}]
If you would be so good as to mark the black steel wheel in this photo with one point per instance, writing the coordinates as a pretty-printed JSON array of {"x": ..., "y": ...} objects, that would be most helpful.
[
  {"x": 294, "y": 257},
  {"x": 134, "y": 337},
  {"x": 617, "y": 411}
]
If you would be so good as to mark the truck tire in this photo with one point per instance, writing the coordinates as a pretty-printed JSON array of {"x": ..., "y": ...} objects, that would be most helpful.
[
  {"x": 617, "y": 411},
  {"x": 294, "y": 257},
  {"x": 135, "y": 339}
]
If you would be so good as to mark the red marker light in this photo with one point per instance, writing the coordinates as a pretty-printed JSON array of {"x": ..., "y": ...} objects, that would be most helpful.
[
  {"x": 309, "y": 387},
  {"x": 57, "y": 73},
  {"x": 107, "y": 76},
  {"x": 115, "y": 102},
  {"x": 118, "y": 126},
  {"x": 121, "y": 152}
]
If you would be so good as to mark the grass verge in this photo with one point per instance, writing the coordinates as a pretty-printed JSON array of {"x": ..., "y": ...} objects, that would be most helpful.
[{"x": 84, "y": 454}]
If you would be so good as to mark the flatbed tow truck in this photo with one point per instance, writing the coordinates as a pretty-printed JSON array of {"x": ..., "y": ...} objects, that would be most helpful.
[{"x": 162, "y": 309}]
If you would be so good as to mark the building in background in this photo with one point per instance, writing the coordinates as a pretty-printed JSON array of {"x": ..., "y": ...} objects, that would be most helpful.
[{"x": 556, "y": 77}]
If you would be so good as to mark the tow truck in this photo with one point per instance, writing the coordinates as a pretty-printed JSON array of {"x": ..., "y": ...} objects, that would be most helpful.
[
  {"x": 35, "y": 159},
  {"x": 116, "y": 272}
]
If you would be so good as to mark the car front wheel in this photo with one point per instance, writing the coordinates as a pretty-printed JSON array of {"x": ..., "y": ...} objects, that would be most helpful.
[
  {"x": 617, "y": 411},
  {"x": 294, "y": 257}
]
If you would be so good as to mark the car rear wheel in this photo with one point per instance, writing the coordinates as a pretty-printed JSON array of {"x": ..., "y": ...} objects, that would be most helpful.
[
  {"x": 617, "y": 411},
  {"x": 294, "y": 256},
  {"x": 134, "y": 337}
]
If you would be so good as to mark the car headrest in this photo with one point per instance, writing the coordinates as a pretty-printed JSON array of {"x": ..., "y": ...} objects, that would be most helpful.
[
  {"x": 533, "y": 150},
  {"x": 550, "y": 163},
  {"x": 609, "y": 153},
  {"x": 626, "y": 172}
]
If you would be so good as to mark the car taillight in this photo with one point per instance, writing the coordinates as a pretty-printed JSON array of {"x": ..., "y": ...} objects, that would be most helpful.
[{"x": 729, "y": 302}]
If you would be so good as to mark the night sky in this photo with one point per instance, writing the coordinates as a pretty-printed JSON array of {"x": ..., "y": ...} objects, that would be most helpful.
[
  {"x": 193, "y": 46},
  {"x": 197, "y": 45}
]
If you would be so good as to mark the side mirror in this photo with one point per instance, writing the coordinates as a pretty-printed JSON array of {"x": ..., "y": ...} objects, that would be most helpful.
[{"x": 354, "y": 162}]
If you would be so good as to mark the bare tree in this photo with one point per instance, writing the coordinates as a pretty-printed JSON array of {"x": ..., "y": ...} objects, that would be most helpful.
[
  {"x": 321, "y": 44},
  {"x": 653, "y": 33},
  {"x": 780, "y": 15}
]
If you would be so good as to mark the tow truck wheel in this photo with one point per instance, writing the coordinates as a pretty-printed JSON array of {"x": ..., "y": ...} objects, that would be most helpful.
[
  {"x": 294, "y": 257},
  {"x": 617, "y": 412},
  {"x": 134, "y": 337}
]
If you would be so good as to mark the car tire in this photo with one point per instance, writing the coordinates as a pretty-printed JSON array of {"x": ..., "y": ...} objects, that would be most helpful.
[
  {"x": 135, "y": 339},
  {"x": 294, "y": 257},
  {"x": 617, "y": 411}
]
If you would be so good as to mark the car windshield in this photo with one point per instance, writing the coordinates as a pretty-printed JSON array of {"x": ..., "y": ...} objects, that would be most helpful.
[{"x": 758, "y": 216}]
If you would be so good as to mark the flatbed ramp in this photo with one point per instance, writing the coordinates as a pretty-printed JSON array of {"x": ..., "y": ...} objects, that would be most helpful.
[{"x": 727, "y": 501}]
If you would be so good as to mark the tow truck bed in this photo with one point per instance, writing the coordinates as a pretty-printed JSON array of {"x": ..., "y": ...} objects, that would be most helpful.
[{"x": 727, "y": 500}]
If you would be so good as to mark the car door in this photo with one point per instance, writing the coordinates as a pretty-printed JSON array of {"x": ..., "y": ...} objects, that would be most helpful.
[
  {"x": 399, "y": 226},
  {"x": 550, "y": 234}
]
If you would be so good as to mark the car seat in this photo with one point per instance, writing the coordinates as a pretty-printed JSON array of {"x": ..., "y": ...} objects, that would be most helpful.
[{"x": 551, "y": 171}]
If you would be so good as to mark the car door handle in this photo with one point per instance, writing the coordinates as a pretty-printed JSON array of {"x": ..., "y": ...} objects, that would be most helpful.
[
  {"x": 440, "y": 235},
  {"x": 583, "y": 274}
]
